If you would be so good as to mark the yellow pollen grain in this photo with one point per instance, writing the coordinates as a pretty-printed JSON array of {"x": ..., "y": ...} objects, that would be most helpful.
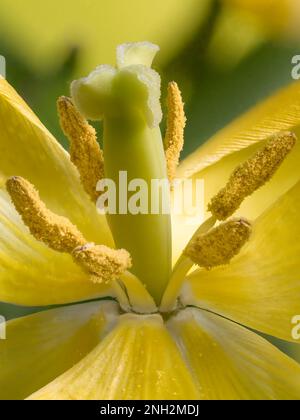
[
  {"x": 174, "y": 139},
  {"x": 251, "y": 175},
  {"x": 103, "y": 263},
  {"x": 219, "y": 245},
  {"x": 55, "y": 231},
  {"x": 58, "y": 233},
  {"x": 85, "y": 151}
]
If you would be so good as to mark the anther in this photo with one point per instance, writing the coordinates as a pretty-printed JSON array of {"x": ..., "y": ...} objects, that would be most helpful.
[
  {"x": 174, "y": 139},
  {"x": 85, "y": 151},
  {"x": 251, "y": 175},
  {"x": 219, "y": 245},
  {"x": 103, "y": 263},
  {"x": 58, "y": 233},
  {"x": 55, "y": 231}
]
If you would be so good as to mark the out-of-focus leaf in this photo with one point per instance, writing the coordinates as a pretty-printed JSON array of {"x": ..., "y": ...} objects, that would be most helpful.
[{"x": 279, "y": 18}]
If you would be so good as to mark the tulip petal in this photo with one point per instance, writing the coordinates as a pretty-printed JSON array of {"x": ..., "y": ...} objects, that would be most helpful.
[
  {"x": 27, "y": 149},
  {"x": 230, "y": 362},
  {"x": 42, "y": 346},
  {"x": 31, "y": 274},
  {"x": 137, "y": 360},
  {"x": 215, "y": 160},
  {"x": 261, "y": 287}
]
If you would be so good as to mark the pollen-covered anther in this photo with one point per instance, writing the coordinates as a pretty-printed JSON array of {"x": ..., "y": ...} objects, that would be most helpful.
[
  {"x": 103, "y": 263},
  {"x": 58, "y": 233},
  {"x": 85, "y": 151},
  {"x": 219, "y": 245},
  {"x": 251, "y": 175},
  {"x": 174, "y": 139},
  {"x": 55, "y": 231}
]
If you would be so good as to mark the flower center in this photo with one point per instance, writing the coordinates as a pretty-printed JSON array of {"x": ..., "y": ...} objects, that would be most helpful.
[{"x": 127, "y": 100}]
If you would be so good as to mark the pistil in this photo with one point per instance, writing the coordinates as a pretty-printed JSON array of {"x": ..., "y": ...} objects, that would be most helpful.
[{"x": 127, "y": 100}]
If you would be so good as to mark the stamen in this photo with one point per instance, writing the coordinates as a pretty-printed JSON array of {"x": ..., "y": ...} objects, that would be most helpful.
[
  {"x": 174, "y": 139},
  {"x": 105, "y": 264},
  {"x": 220, "y": 244},
  {"x": 55, "y": 231},
  {"x": 85, "y": 151},
  {"x": 252, "y": 175}
]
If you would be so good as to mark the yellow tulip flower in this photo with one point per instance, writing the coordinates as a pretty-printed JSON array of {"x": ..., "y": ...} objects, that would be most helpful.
[{"x": 138, "y": 328}]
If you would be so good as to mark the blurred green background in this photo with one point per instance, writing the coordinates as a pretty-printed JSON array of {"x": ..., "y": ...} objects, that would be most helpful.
[{"x": 226, "y": 55}]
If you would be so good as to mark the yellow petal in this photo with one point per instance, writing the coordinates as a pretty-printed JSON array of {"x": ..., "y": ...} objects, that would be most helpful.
[
  {"x": 261, "y": 287},
  {"x": 216, "y": 159},
  {"x": 137, "y": 360},
  {"x": 230, "y": 362},
  {"x": 31, "y": 274},
  {"x": 27, "y": 149},
  {"x": 42, "y": 346}
]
